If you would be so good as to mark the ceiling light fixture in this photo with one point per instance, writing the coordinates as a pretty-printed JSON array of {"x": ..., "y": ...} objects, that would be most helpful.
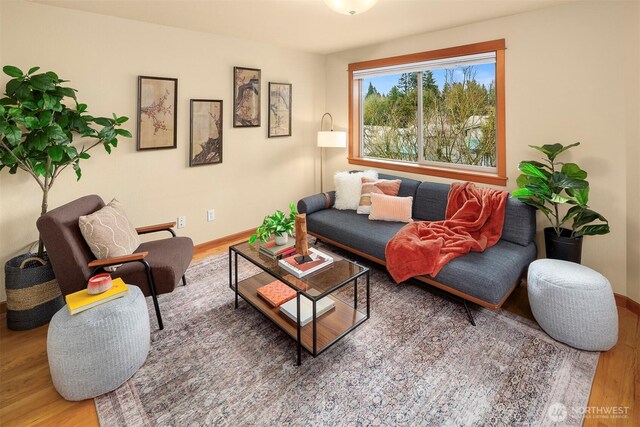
[{"x": 350, "y": 7}]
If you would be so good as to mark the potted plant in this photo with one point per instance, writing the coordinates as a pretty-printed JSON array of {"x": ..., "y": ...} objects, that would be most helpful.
[
  {"x": 278, "y": 224},
  {"x": 561, "y": 192},
  {"x": 37, "y": 130}
]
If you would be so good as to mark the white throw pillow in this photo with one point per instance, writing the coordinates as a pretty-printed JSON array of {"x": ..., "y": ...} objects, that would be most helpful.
[{"x": 348, "y": 188}]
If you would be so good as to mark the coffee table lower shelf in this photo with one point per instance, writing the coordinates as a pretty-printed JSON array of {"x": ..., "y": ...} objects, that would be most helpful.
[{"x": 330, "y": 327}]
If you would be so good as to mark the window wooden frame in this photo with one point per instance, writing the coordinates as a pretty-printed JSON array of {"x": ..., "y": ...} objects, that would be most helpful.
[{"x": 355, "y": 156}]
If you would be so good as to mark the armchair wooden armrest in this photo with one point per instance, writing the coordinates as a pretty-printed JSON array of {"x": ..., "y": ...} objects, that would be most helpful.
[
  {"x": 167, "y": 226},
  {"x": 117, "y": 260}
]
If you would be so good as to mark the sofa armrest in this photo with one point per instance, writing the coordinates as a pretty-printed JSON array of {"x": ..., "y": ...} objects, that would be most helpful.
[{"x": 317, "y": 202}]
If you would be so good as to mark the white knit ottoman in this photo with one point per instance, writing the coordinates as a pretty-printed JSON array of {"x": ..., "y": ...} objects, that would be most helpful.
[
  {"x": 95, "y": 351},
  {"x": 573, "y": 304}
]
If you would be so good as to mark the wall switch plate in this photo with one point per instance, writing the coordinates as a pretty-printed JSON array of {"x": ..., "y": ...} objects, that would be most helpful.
[
  {"x": 182, "y": 222},
  {"x": 211, "y": 215}
]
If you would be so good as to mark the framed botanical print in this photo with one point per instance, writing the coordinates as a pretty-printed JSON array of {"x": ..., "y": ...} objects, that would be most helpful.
[
  {"x": 246, "y": 97},
  {"x": 205, "y": 147},
  {"x": 157, "y": 116},
  {"x": 279, "y": 109}
]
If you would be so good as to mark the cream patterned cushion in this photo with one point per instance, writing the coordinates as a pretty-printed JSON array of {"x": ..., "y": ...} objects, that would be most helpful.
[{"x": 108, "y": 232}]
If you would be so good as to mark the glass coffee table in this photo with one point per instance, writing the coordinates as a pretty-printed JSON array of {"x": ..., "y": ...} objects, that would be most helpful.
[{"x": 332, "y": 281}]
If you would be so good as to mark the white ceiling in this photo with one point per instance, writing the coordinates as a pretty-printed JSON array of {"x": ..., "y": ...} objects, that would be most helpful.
[{"x": 307, "y": 25}]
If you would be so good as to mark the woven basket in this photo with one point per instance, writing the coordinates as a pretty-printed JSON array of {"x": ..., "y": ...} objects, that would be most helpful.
[{"x": 33, "y": 294}]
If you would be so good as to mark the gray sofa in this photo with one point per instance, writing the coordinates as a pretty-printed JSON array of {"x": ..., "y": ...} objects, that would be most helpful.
[{"x": 485, "y": 278}]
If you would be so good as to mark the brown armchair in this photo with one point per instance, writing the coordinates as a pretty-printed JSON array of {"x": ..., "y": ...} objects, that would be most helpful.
[{"x": 155, "y": 267}]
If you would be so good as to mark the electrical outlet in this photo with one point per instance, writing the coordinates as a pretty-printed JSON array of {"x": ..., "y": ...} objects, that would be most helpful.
[
  {"x": 182, "y": 221},
  {"x": 211, "y": 215}
]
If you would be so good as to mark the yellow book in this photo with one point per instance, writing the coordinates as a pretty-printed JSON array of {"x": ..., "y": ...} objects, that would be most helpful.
[{"x": 81, "y": 300}]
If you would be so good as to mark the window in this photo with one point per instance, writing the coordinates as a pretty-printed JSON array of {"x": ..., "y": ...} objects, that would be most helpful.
[{"x": 436, "y": 113}]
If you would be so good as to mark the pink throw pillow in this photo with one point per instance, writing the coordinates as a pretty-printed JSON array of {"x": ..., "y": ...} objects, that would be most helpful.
[{"x": 390, "y": 208}]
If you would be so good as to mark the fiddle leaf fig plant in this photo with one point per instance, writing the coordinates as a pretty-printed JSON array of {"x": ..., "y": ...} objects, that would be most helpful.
[
  {"x": 550, "y": 184},
  {"x": 277, "y": 224},
  {"x": 39, "y": 118}
]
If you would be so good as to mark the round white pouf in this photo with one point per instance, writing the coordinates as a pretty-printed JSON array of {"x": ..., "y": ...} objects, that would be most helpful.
[
  {"x": 97, "y": 350},
  {"x": 573, "y": 304}
]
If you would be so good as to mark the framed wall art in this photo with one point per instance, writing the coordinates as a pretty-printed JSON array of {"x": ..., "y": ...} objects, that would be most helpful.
[
  {"x": 279, "y": 109},
  {"x": 205, "y": 147},
  {"x": 157, "y": 116},
  {"x": 246, "y": 97}
]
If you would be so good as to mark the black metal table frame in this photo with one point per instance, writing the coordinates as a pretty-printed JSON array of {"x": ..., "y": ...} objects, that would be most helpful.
[{"x": 233, "y": 284}]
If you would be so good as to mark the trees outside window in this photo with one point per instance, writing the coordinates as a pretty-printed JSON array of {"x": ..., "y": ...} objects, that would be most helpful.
[{"x": 433, "y": 114}]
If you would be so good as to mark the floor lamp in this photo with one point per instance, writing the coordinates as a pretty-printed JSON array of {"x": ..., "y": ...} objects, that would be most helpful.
[{"x": 337, "y": 139}]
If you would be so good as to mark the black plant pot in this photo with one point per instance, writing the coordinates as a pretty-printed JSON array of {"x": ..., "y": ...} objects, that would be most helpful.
[{"x": 562, "y": 247}]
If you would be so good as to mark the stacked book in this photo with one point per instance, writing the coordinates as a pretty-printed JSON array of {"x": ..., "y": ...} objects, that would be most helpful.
[
  {"x": 273, "y": 251},
  {"x": 80, "y": 301},
  {"x": 318, "y": 261},
  {"x": 290, "y": 308},
  {"x": 276, "y": 293}
]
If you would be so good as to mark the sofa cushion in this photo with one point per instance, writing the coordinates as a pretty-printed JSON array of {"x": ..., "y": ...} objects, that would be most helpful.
[
  {"x": 488, "y": 275},
  {"x": 408, "y": 186},
  {"x": 353, "y": 230},
  {"x": 519, "y": 222},
  {"x": 519, "y": 219},
  {"x": 431, "y": 201}
]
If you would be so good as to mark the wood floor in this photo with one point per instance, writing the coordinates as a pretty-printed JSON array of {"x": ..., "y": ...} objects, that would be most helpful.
[{"x": 27, "y": 396}]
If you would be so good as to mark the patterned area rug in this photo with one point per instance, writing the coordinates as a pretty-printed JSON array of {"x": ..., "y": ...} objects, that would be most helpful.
[{"x": 416, "y": 362}]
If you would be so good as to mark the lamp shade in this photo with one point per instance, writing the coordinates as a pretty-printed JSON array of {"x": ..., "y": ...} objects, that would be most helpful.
[
  {"x": 350, "y": 7},
  {"x": 335, "y": 139}
]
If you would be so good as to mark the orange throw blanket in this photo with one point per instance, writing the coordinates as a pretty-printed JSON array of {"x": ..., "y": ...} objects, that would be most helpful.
[{"x": 474, "y": 220}]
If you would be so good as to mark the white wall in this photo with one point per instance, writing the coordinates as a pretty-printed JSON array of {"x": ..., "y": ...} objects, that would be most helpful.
[
  {"x": 571, "y": 75},
  {"x": 102, "y": 57}
]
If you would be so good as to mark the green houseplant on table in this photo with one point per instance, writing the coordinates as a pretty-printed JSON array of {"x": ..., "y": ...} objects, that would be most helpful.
[
  {"x": 37, "y": 128},
  {"x": 561, "y": 192},
  {"x": 278, "y": 224}
]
